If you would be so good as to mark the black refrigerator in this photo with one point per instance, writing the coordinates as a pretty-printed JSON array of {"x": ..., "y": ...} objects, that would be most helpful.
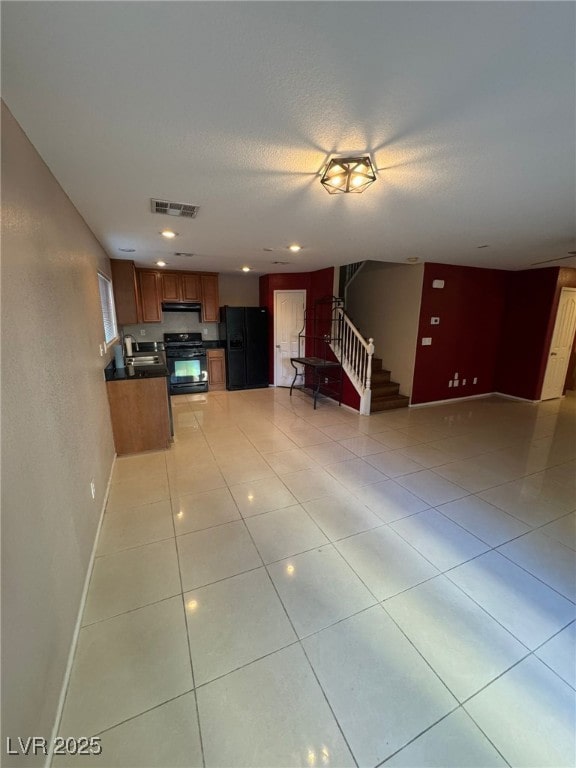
[{"x": 244, "y": 331}]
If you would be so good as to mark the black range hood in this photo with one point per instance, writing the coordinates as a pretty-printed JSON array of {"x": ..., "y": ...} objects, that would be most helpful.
[{"x": 181, "y": 306}]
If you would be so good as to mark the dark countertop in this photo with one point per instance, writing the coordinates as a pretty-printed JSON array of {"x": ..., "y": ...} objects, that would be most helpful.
[
  {"x": 214, "y": 344},
  {"x": 111, "y": 373}
]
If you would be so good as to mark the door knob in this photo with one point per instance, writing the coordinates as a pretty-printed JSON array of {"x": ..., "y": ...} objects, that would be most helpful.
[
  {"x": 553, "y": 354},
  {"x": 277, "y": 346}
]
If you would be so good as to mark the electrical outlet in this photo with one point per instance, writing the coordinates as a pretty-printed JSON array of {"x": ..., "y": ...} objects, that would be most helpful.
[
  {"x": 450, "y": 383},
  {"x": 456, "y": 382},
  {"x": 205, "y": 331},
  {"x": 456, "y": 375},
  {"x": 463, "y": 382},
  {"x": 143, "y": 332},
  {"x": 475, "y": 380},
  {"x": 101, "y": 350},
  {"x": 426, "y": 341},
  {"x": 434, "y": 321},
  {"x": 93, "y": 488}
]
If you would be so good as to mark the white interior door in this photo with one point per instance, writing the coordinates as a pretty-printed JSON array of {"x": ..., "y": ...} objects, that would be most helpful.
[
  {"x": 561, "y": 345},
  {"x": 288, "y": 322}
]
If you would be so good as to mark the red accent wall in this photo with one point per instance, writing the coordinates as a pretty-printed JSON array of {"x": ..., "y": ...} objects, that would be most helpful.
[
  {"x": 531, "y": 304},
  {"x": 521, "y": 360},
  {"x": 317, "y": 285},
  {"x": 349, "y": 395},
  {"x": 494, "y": 325},
  {"x": 470, "y": 308}
]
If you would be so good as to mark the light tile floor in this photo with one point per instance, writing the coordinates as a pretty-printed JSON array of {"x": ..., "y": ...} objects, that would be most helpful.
[{"x": 290, "y": 587}]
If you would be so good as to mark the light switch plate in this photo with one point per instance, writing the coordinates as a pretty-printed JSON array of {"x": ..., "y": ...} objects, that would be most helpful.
[
  {"x": 426, "y": 341},
  {"x": 437, "y": 283}
]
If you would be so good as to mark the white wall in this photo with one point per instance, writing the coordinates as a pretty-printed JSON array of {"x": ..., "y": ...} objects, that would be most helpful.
[
  {"x": 384, "y": 302},
  {"x": 56, "y": 433}
]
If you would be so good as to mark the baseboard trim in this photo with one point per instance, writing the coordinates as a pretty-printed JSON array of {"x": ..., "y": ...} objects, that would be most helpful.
[
  {"x": 451, "y": 400},
  {"x": 77, "y": 627},
  {"x": 475, "y": 397},
  {"x": 513, "y": 397}
]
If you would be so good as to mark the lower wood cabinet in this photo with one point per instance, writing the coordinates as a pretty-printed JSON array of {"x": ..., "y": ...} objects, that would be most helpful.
[
  {"x": 140, "y": 414},
  {"x": 216, "y": 369}
]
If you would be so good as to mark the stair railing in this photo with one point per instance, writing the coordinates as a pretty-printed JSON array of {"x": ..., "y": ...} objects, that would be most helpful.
[
  {"x": 355, "y": 355},
  {"x": 347, "y": 274}
]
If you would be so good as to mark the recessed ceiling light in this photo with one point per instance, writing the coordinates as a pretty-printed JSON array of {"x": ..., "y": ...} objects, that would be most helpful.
[
  {"x": 183, "y": 253},
  {"x": 127, "y": 250},
  {"x": 161, "y": 263},
  {"x": 168, "y": 233},
  {"x": 245, "y": 269},
  {"x": 483, "y": 246},
  {"x": 294, "y": 248},
  {"x": 268, "y": 250},
  {"x": 280, "y": 262}
]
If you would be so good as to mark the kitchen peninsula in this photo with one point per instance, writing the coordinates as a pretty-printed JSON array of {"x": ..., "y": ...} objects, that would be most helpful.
[{"x": 139, "y": 408}]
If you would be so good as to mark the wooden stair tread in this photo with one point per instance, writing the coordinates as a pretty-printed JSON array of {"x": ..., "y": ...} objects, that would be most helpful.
[
  {"x": 385, "y": 390},
  {"x": 388, "y": 403},
  {"x": 380, "y": 377},
  {"x": 385, "y": 393}
]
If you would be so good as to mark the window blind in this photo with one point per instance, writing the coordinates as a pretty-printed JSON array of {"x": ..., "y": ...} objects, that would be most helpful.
[{"x": 108, "y": 310}]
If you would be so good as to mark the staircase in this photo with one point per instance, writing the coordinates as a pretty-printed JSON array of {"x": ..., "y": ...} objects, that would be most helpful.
[
  {"x": 356, "y": 356},
  {"x": 385, "y": 393}
]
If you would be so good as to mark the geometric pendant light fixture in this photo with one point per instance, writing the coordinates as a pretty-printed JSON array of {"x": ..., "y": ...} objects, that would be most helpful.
[{"x": 348, "y": 174}]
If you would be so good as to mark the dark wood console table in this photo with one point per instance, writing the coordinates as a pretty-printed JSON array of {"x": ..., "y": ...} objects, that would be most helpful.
[{"x": 324, "y": 372}]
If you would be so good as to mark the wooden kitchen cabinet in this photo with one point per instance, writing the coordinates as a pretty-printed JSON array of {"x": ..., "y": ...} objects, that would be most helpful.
[
  {"x": 170, "y": 286},
  {"x": 126, "y": 294},
  {"x": 141, "y": 300},
  {"x": 150, "y": 302},
  {"x": 216, "y": 369},
  {"x": 140, "y": 414},
  {"x": 179, "y": 286},
  {"x": 191, "y": 289},
  {"x": 210, "y": 300}
]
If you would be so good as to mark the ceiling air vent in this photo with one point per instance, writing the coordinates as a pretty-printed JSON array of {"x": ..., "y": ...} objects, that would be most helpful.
[{"x": 175, "y": 209}]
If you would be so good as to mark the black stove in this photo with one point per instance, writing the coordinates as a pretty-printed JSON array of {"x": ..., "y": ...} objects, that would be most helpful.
[
  {"x": 186, "y": 360},
  {"x": 183, "y": 341}
]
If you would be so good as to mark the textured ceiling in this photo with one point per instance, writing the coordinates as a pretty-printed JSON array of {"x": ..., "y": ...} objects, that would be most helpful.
[{"x": 467, "y": 108}]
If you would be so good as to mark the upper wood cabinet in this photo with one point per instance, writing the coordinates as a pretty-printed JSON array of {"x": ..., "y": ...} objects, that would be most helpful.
[
  {"x": 191, "y": 290},
  {"x": 126, "y": 294},
  {"x": 170, "y": 286},
  {"x": 150, "y": 306},
  {"x": 180, "y": 286},
  {"x": 210, "y": 300},
  {"x": 139, "y": 293}
]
